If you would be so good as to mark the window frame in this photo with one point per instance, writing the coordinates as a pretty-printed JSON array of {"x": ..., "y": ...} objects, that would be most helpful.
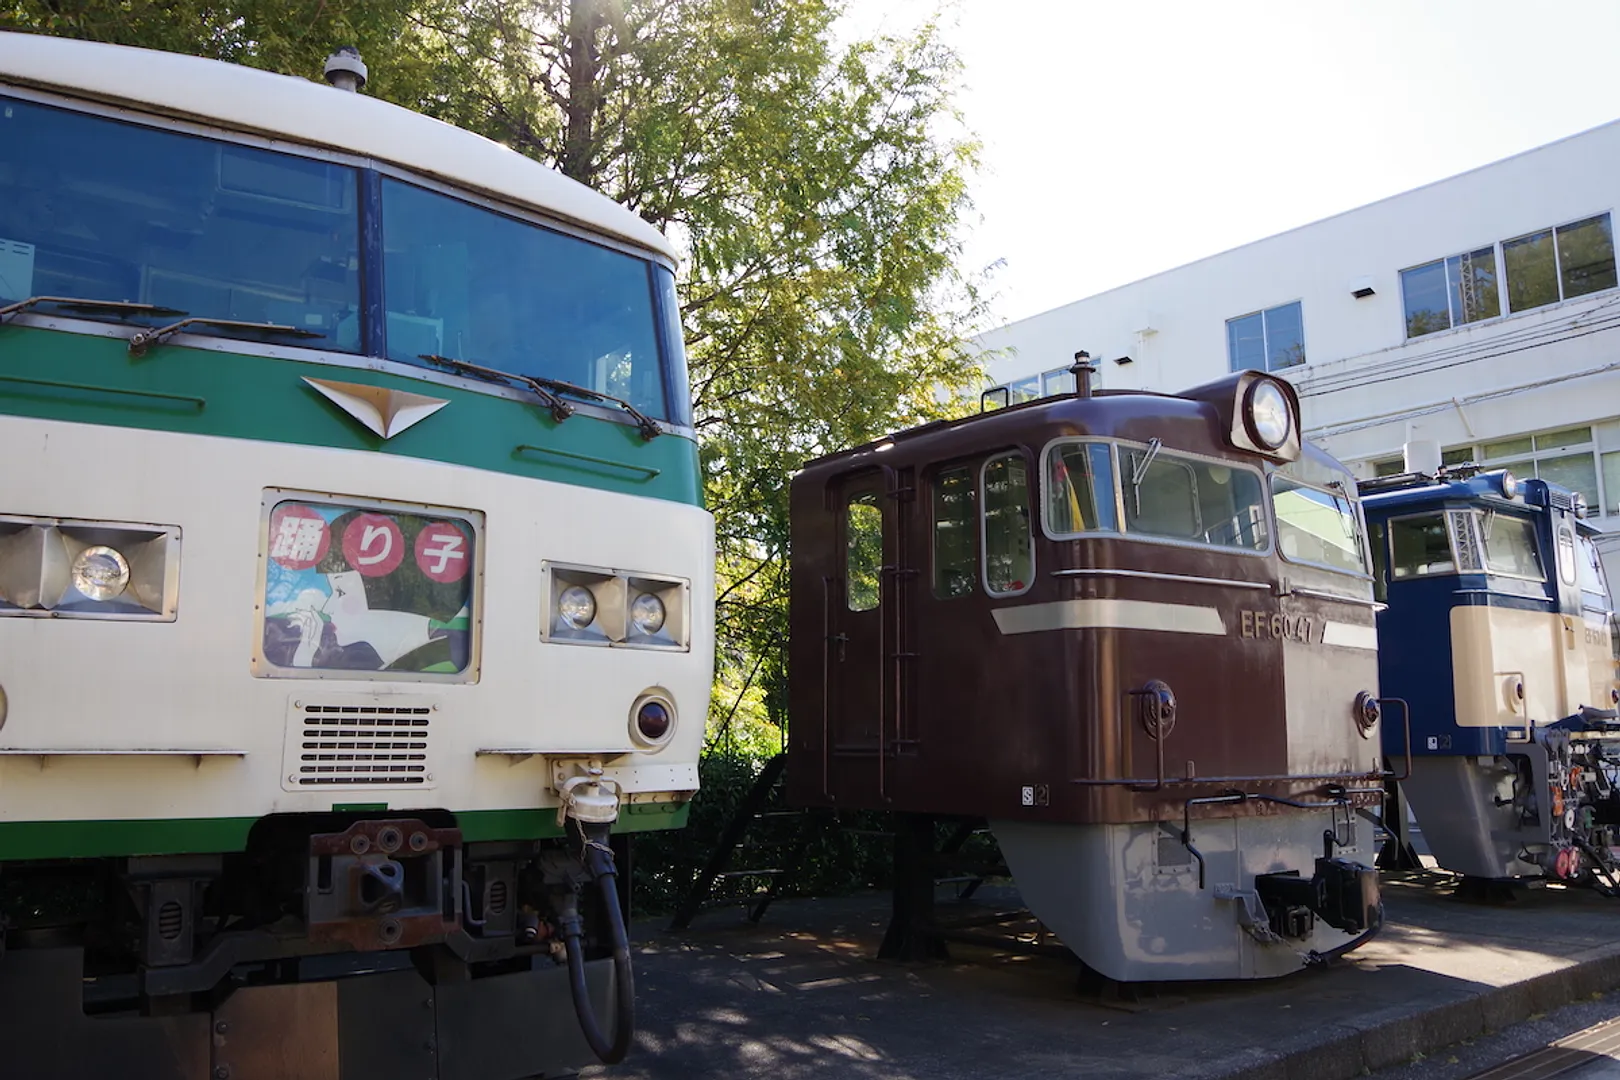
[
  {"x": 984, "y": 521},
  {"x": 1115, "y": 502},
  {"x": 1443, "y": 514},
  {"x": 1123, "y": 533},
  {"x": 1363, "y": 540},
  {"x": 1265, "y": 337},
  {"x": 866, "y": 497},
  {"x": 974, "y": 534},
  {"x": 1485, "y": 544},
  {"x": 1498, "y": 266},
  {"x": 372, "y": 356}
]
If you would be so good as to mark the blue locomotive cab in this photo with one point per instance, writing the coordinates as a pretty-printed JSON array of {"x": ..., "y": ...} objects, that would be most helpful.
[{"x": 1498, "y": 631}]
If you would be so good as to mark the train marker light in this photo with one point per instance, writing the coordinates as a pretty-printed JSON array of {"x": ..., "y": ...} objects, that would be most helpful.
[
  {"x": 1267, "y": 415},
  {"x": 652, "y": 719}
]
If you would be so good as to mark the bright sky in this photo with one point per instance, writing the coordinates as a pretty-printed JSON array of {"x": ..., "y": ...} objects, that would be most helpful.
[{"x": 1126, "y": 137}]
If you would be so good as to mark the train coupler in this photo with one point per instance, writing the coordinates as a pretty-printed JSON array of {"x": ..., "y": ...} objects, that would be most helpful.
[
  {"x": 387, "y": 884},
  {"x": 1341, "y": 893}
]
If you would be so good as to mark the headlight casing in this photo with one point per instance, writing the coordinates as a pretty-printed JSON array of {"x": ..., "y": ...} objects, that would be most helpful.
[
  {"x": 1267, "y": 415},
  {"x": 620, "y": 597},
  {"x": 66, "y": 568}
]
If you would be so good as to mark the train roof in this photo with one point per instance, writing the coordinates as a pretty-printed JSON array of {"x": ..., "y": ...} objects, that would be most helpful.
[
  {"x": 1463, "y": 483},
  {"x": 1193, "y": 420},
  {"x": 300, "y": 110}
]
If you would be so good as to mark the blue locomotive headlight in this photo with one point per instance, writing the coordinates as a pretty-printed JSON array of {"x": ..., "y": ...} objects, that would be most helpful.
[
  {"x": 577, "y": 607},
  {"x": 647, "y": 613},
  {"x": 1267, "y": 415},
  {"x": 1510, "y": 485}
]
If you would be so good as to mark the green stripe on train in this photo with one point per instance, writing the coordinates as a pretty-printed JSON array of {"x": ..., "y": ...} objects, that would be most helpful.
[
  {"x": 55, "y": 375},
  {"x": 99, "y": 839}
]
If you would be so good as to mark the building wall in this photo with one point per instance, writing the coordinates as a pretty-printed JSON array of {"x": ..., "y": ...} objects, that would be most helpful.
[{"x": 1365, "y": 387}]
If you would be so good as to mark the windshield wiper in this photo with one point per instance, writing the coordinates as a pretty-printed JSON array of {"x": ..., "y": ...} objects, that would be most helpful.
[
  {"x": 560, "y": 409},
  {"x": 124, "y": 308},
  {"x": 1139, "y": 470},
  {"x": 648, "y": 426},
  {"x": 146, "y": 338}
]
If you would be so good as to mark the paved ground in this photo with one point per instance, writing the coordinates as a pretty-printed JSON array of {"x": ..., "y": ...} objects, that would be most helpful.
[{"x": 801, "y": 996}]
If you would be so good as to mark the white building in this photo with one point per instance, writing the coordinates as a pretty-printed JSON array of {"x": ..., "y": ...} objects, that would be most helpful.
[{"x": 1480, "y": 311}]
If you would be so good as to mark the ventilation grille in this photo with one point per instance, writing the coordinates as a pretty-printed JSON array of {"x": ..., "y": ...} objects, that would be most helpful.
[{"x": 354, "y": 744}]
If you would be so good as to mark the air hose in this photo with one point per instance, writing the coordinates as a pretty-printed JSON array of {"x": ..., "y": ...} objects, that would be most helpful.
[{"x": 598, "y": 858}]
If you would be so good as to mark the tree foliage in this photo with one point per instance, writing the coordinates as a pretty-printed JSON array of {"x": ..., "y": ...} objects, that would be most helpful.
[{"x": 815, "y": 189}]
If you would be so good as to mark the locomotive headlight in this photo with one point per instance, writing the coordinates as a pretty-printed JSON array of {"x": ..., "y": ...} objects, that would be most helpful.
[
  {"x": 647, "y": 613},
  {"x": 576, "y": 607},
  {"x": 100, "y": 573},
  {"x": 1510, "y": 485},
  {"x": 1267, "y": 415}
]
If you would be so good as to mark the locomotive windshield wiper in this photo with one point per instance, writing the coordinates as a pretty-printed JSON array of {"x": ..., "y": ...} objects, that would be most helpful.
[
  {"x": 1139, "y": 471},
  {"x": 560, "y": 409},
  {"x": 548, "y": 389},
  {"x": 649, "y": 428},
  {"x": 123, "y": 308},
  {"x": 141, "y": 341}
]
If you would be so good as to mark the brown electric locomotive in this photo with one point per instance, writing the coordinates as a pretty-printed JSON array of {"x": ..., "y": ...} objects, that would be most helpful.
[{"x": 1134, "y": 632}]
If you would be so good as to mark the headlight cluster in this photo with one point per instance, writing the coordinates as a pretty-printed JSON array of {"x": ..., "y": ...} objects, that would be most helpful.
[
  {"x": 1266, "y": 413},
  {"x": 590, "y": 606},
  {"x": 88, "y": 569}
]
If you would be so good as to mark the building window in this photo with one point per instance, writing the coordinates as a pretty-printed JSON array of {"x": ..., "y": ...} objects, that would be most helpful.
[
  {"x": 1046, "y": 384},
  {"x": 1267, "y": 340},
  {"x": 1559, "y": 264},
  {"x": 1564, "y": 457},
  {"x": 1450, "y": 292},
  {"x": 955, "y": 542}
]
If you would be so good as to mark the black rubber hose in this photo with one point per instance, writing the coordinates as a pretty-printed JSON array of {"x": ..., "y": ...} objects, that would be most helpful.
[{"x": 599, "y": 860}]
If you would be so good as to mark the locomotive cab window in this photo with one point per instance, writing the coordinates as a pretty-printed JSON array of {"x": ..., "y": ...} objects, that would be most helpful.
[
  {"x": 1510, "y": 545},
  {"x": 955, "y": 532},
  {"x": 1419, "y": 545},
  {"x": 1009, "y": 549},
  {"x": 208, "y": 229},
  {"x": 1079, "y": 489},
  {"x": 1317, "y": 526},
  {"x": 1192, "y": 500},
  {"x": 863, "y": 547}
]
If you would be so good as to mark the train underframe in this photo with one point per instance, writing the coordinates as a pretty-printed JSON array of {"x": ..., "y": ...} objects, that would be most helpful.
[
  {"x": 1547, "y": 809},
  {"x": 1229, "y": 897},
  {"x": 330, "y": 948}
]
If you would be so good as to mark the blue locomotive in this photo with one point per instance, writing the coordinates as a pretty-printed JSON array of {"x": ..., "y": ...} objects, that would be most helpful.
[{"x": 1499, "y": 635}]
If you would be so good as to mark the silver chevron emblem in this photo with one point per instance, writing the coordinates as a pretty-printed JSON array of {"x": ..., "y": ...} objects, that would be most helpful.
[{"x": 385, "y": 412}]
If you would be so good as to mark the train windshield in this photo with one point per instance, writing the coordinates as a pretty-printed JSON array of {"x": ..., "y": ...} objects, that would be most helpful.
[
  {"x": 476, "y": 285},
  {"x": 1420, "y": 546},
  {"x": 1190, "y": 499},
  {"x": 100, "y": 210},
  {"x": 1510, "y": 545},
  {"x": 1079, "y": 489},
  {"x": 1317, "y": 526},
  {"x": 1594, "y": 585}
]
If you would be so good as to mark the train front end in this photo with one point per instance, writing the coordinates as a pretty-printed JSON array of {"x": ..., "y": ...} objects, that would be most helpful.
[
  {"x": 1500, "y": 633},
  {"x": 1132, "y": 631},
  {"x": 355, "y": 590}
]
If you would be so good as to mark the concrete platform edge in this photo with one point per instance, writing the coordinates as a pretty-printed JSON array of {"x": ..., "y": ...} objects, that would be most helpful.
[{"x": 1431, "y": 1029}]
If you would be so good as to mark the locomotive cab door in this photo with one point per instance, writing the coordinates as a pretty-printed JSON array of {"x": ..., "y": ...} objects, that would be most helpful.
[{"x": 861, "y": 601}]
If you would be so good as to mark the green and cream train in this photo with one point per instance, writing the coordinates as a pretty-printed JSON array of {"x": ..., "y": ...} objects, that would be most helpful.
[{"x": 356, "y": 595}]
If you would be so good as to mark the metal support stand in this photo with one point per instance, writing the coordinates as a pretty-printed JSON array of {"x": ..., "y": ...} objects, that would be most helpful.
[{"x": 910, "y": 935}]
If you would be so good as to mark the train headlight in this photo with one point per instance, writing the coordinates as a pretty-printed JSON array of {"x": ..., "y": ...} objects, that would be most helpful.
[
  {"x": 1267, "y": 415},
  {"x": 65, "y": 568},
  {"x": 647, "y": 613},
  {"x": 576, "y": 607},
  {"x": 1580, "y": 505},
  {"x": 100, "y": 573},
  {"x": 1510, "y": 485}
]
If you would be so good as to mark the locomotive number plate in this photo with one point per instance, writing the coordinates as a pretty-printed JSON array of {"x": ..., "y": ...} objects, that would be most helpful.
[{"x": 1278, "y": 626}]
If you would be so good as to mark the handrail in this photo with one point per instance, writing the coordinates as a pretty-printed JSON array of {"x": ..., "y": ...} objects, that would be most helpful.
[{"x": 54, "y": 384}]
